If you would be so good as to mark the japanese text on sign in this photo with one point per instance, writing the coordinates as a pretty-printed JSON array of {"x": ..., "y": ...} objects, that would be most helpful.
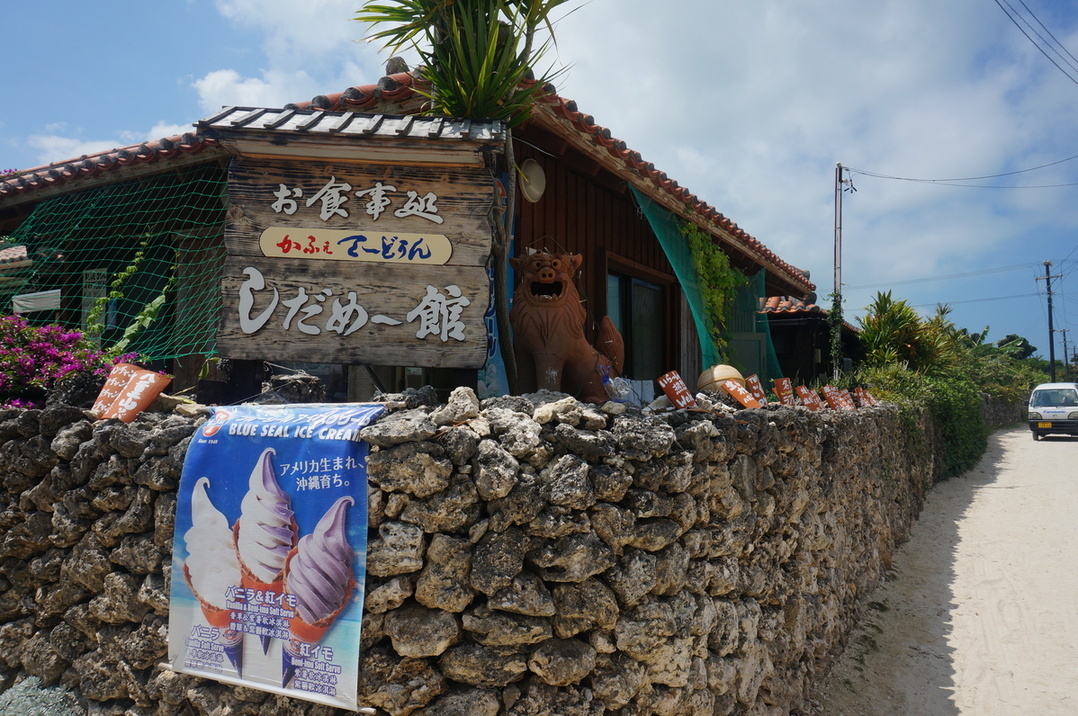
[
  {"x": 437, "y": 312},
  {"x": 331, "y": 200},
  {"x": 337, "y": 245}
]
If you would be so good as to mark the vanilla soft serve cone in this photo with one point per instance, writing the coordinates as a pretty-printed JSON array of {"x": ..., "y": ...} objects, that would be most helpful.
[
  {"x": 320, "y": 577},
  {"x": 211, "y": 568},
  {"x": 265, "y": 531}
]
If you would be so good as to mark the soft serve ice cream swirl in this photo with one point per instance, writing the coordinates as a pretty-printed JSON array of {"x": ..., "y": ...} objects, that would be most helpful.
[
  {"x": 320, "y": 572},
  {"x": 211, "y": 559},
  {"x": 265, "y": 525}
]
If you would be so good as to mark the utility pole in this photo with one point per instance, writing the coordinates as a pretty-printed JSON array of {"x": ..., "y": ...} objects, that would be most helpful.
[
  {"x": 1066, "y": 365},
  {"x": 836, "y": 304},
  {"x": 1051, "y": 331}
]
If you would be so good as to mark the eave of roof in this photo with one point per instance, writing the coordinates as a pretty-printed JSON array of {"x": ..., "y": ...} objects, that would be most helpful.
[
  {"x": 311, "y": 133},
  {"x": 105, "y": 167},
  {"x": 13, "y": 256}
]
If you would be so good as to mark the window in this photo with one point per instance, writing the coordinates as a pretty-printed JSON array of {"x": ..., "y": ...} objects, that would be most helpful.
[{"x": 637, "y": 308}]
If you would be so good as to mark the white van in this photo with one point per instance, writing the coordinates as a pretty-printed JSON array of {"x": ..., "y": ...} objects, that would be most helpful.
[{"x": 1053, "y": 408}]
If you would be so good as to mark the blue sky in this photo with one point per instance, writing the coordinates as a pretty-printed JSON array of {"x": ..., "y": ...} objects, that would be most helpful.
[{"x": 749, "y": 105}]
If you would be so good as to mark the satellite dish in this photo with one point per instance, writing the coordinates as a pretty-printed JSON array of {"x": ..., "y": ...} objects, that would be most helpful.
[{"x": 532, "y": 180}]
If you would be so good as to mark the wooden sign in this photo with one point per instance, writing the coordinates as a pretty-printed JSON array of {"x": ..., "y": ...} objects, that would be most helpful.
[
  {"x": 836, "y": 400},
  {"x": 118, "y": 377},
  {"x": 373, "y": 201},
  {"x": 354, "y": 315},
  {"x": 128, "y": 391},
  {"x": 785, "y": 390},
  {"x": 740, "y": 394},
  {"x": 864, "y": 398},
  {"x": 335, "y": 261},
  {"x": 676, "y": 390},
  {"x": 809, "y": 398},
  {"x": 351, "y": 245},
  {"x": 757, "y": 390}
]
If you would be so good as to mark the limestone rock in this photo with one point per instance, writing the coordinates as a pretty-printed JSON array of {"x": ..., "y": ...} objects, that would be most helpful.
[
  {"x": 527, "y": 594},
  {"x": 483, "y": 666},
  {"x": 560, "y": 662},
  {"x": 397, "y": 550},
  {"x": 419, "y": 469},
  {"x": 462, "y": 406},
  {"x": 498, "y": 558},
  {"x": 417, "y": 631},
  {"x": 399, "y": 428},
  {"x": 580, "y": 607},
  {"x": 468, "y": 702},
  {"x": 443, "y": 583},
  {"x": 493, "y": 628},
  {"x": 496, "y": 471},
  {"x": 450, "y": 510},
  {"x": 398, "y": 686},
  {"x": 573, "y": 558},
  {"x": 566, "y": 482}
]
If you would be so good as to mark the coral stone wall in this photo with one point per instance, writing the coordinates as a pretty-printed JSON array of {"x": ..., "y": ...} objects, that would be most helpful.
[{"x": 528, "y": 555}]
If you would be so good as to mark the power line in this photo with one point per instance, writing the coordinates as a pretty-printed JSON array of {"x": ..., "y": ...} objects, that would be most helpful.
[
  {"x": 976, "y": 300},
  {"x": 1042, "y": 50},
  {"x": 960, "y": 180},
  {"x": 966, "y": 274},
  {"x": 1045, "y": 28}
]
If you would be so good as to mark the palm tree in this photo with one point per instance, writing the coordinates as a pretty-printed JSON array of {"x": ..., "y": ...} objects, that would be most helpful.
[
  {"x": 476, "y": 62},
  {"x": 892, "y": 332}
]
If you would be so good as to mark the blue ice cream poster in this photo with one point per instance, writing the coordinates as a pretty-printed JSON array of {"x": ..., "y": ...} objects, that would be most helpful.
[{"x": 269, "y": 551}]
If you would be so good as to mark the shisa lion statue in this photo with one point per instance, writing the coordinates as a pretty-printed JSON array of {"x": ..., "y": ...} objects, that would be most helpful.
[{"x": 548, "y": 331}]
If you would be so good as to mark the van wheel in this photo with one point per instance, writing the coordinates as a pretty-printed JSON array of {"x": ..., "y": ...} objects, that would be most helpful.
[{"x": 1037, "y": 436}]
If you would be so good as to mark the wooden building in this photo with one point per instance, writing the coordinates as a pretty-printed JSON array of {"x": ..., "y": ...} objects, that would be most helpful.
[{"x": 593, "y": 187}]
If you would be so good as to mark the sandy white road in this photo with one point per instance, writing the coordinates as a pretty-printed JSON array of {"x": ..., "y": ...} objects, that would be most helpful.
[{"x": 979, "y": 615}]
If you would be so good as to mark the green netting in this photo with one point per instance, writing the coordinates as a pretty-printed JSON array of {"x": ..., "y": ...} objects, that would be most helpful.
[
  {"x": 667, "y": 231},
  {"x": 133, "y": 242},
  {"x": 755, "y": 290},
  {"x": 745, "y": 315}
]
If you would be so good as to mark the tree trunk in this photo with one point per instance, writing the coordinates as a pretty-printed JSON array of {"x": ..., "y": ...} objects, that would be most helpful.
[{"x": 503, "y": 236}]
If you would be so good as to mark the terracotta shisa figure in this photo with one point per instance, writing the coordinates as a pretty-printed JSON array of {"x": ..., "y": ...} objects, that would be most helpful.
[{"x": 548, "y": 331}]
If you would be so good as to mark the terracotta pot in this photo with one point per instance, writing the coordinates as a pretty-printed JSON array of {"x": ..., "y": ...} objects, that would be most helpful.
[{"x": 711, "y": 379}]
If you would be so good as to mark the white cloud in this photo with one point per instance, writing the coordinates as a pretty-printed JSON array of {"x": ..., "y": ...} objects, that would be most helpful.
[
  {"x": 309, "y": 48},
  {"x": 165, "y": 129},
  {"x": 751, "y": 105},
  {"x": 222, "y": 88},
  {"x": 56, "y": 148}
]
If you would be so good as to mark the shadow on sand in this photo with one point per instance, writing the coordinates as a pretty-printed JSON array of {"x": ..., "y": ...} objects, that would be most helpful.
[{"x": 898, "y": 660}]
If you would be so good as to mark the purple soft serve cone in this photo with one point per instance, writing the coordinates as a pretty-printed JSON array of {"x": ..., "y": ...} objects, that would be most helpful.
[
  {"x": 320, "y": 577},
  {"x": 320, "y": 573}
]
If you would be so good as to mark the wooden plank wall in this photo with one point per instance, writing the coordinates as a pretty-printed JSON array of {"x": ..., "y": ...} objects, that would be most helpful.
[{"x": 596, "y": 217}]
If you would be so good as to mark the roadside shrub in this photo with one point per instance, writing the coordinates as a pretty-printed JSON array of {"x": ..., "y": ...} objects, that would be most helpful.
[
  {"x": 951, "y": 399},
  {"x": 955, "y": 401}
]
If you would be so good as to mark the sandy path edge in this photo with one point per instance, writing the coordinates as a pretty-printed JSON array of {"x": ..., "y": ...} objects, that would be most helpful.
[{"x": 977, "y": 614}]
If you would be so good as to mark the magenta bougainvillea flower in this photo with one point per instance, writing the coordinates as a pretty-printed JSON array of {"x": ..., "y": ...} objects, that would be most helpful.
[{"x": 34, "y": 358}]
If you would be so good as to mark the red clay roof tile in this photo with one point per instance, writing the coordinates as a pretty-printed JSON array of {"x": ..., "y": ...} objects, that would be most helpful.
[
  {"x": 35, "y": 178},
  {"x": 788, "y": 304}
]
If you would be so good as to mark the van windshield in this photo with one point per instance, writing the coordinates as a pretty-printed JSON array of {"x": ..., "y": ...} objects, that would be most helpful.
[{"x": 1056, "y": 396}]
